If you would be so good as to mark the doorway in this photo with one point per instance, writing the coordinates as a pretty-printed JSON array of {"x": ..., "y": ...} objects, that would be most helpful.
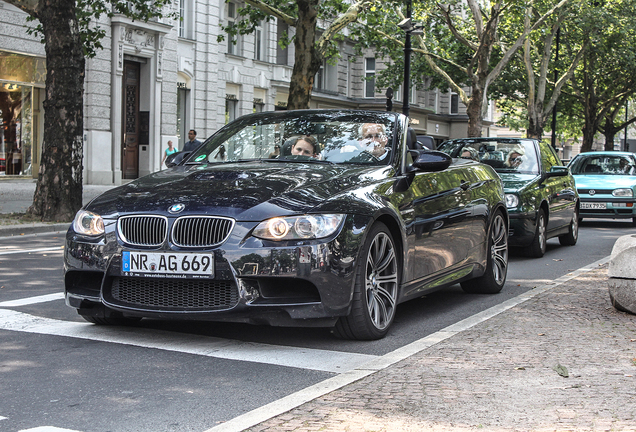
[{"x": 131, "y": 127}]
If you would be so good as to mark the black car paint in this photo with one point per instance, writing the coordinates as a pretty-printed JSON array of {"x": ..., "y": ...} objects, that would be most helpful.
[{"x": 440, "y": 235}]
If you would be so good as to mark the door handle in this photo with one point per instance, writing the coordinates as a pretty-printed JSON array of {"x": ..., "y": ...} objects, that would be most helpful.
[{"x": 464, "y": 185}]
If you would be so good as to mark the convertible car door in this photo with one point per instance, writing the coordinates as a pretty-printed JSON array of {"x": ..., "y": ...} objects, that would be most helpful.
[{"x": 438, "y": 215}]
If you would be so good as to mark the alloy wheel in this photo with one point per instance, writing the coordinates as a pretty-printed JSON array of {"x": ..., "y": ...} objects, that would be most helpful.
[{"x": 381, "y": 281}]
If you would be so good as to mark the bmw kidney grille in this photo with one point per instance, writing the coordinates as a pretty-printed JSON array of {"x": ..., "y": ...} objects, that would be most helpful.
[
  {"x": 197, "y": 231},
  {"x": 187, "y": 231}
]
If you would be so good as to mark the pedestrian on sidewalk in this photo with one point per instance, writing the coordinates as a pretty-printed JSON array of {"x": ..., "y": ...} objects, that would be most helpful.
[
  {"x": 167, "y": 152},
  {"x": 193, "y": 143}
]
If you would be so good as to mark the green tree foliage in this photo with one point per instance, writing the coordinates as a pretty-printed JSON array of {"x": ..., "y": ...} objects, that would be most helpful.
[
  {"x": 318, "y": 26},
  {"x": 528, "y": 89},
  {"x": 463, "y": 43}
]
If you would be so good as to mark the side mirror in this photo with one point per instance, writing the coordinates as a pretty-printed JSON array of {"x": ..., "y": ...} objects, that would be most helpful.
[
  {"x": 557, "y": 171},
  {"x": 176, "y": 158},
  {"x": 431, "y": 161}
]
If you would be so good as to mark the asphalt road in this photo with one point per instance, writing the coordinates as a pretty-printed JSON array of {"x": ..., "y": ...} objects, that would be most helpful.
[{"x": 57, "y": 370}]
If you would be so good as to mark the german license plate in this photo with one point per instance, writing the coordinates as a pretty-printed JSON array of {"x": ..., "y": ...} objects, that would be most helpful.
[
  {"x": 159, "y": 264},
  {"x": 593, "y": 206}
]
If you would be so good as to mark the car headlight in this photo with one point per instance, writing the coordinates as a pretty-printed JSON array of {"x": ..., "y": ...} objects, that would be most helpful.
[
  {"x": 512, "y": 200},
  {"x": 623, "y": 193},
  {"x": 299, "y": 227},
  {"x": 88, "y": 223}
]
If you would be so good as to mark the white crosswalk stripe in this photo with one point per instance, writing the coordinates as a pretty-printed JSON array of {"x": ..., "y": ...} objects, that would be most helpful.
[{"x": 303, "y": 358}]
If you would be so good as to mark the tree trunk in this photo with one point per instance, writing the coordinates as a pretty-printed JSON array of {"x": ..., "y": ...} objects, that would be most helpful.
[
  {"x": 307, "y": 61},
  {"x": 58, "y": 194},
  {"x": 535, "y": 124},
  {"x": 474, "y": 111}
]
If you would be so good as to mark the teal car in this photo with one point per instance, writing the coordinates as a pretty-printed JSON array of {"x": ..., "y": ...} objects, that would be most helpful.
[
  {"x": 606, "y": 183},
  {"x": 540, "y": 192}
]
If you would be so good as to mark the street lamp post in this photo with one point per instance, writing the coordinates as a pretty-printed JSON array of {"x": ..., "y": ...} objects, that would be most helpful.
[{"x": 410, "y": 29}]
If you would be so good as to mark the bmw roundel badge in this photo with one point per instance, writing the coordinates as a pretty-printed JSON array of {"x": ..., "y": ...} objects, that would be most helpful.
[{"x": 177, "y": 208}]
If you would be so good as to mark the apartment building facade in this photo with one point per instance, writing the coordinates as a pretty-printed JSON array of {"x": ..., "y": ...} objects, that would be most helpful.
[{"x": 154, "y": 81}]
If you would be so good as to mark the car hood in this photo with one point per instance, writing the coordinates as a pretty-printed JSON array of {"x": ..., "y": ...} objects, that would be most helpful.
[
  {"x": 590, "y": 181},
  {"x": 249, "y": 191},
  {"x": 514, "y": 182}
]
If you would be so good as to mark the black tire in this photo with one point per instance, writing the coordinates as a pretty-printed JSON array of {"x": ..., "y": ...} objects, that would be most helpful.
[
  {"x": 572, "y": 236},
  {"x": 494, "y": 278},
  {"x": 633, "y": 221},
  {"x": 376, "y": 289},
  {"x": 538, "y": 246},
  {"x": 111, "y": 321}
]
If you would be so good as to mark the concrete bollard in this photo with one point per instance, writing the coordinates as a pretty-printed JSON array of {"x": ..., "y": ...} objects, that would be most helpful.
[{"x": 622, "y": 274}]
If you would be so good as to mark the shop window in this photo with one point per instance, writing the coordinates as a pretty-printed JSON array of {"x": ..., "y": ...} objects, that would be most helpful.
[
  {"x": 231, "y": 104},
  {"x": 258, "y": 106}
]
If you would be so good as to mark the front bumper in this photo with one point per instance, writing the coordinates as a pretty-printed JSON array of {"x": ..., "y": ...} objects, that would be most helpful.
[
  {"x": 615, "y": 208},
  {"x": 300, "y": 283},
  {"x": 522, "y": 228}
]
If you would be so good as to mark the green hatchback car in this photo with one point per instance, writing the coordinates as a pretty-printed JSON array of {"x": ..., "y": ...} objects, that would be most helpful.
[{"x": 540, "y": 193}]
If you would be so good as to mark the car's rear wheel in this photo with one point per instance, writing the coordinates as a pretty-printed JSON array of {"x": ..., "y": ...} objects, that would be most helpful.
[
  {"x": 572, "y": 236},
  {"x": 494, "y": 278},
  {"x": 538, "y": 245},
  {"x": 376, "y": 289}
]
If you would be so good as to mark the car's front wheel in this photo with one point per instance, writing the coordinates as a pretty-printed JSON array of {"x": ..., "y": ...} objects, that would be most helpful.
[
  {"x": 538, "y": 246},
  {"x": 494, "y": 278},
  {"x": 376, "y": 289}
]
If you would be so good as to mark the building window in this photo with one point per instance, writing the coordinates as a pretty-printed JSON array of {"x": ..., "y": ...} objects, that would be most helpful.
[
  {"x": 454, "y": 103},
  {"x": 231, "y": 103},
  {"x": 185, "y": 21},
  {"x": 259, "y": 42},
  {"x": 369, "y": 73},
  {"x": 282, "y": 54},
  {"x": 183, "y": 95},
  {"x": 327, "y": 78},
  {"x": 233, "y": 42}
]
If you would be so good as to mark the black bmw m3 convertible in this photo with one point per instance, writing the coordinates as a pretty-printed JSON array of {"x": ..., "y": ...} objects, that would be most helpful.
[{"x": 324, "y": 218}]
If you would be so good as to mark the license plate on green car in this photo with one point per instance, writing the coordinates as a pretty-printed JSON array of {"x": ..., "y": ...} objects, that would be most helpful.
[{"x": 593, "y": 206}]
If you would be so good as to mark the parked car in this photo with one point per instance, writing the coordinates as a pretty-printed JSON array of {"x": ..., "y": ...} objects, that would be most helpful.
[
  {"x": 540, "y": 193},
  {"x": 336, "y": 230},
  {"x": 606, "y": 183}
]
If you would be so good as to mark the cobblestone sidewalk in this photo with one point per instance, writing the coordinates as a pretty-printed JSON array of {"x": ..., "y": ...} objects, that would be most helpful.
[{"x": 501, "y": 375}]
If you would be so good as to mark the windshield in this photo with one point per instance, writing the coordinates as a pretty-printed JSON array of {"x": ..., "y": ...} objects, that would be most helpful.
[
  {"x": 603, "y": 165},
  {"x": 504, "y": 155},
  {"x": 307, "y": 136}
]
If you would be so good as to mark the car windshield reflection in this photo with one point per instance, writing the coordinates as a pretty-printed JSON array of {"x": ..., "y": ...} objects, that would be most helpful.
[{"x": 302, "y": 137}]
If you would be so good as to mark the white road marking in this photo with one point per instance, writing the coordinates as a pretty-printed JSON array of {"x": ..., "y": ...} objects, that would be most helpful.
[
  {"x": 21, "y": 251},
  {"x": 32, "y": 300},
  {"x": 2, "y": 418},
  {"x": 302, "y": 358},
  {"x": 47, "y": 429},
  {"x": 305, "y": 395}
]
